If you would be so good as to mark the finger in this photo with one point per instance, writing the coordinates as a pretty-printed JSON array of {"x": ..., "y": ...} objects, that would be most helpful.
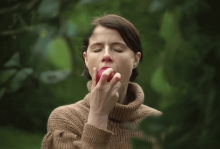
[
  {"x": 94, "y": 77},
  {"x": 116, "y": 87},
  {"x": 115, "y": 79},
  {"x": 105, "y": 75}
]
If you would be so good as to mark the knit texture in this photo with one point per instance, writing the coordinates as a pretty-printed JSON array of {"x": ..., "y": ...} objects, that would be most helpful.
[{"x": 68, "y": 129}]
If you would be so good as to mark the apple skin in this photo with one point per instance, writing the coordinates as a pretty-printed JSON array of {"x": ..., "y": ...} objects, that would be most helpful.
[{"x": 99, "y": 74}]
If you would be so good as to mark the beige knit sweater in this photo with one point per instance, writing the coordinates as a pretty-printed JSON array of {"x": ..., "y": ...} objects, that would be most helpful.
[{"x": 68, "y": 129}]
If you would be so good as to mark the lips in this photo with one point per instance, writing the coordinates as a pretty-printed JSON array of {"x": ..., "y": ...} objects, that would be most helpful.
[
  {"x": 105, "y": 67},
  {"x": 99, "y": 74}
]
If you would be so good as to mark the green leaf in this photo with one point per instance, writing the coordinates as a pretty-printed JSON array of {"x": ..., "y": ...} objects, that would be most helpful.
[
  {"x": 59, "y": 54},
  {"x": 25, "y": 47},
  {"x": 19, "y": 78},
  {"x": 46, "y": 34},
  {"x": 71, "y": 29},
  {"x": 53, "y": 77},
  {"x": 168, "y": 27},
  {"x": 140, "y": 144},
  {"x": 49, "y": 9},
  {"x": 158, "y": 82},
  {"x": 5, "y": 53},
  {"x": 68, "y": 28},
  {"x": 158, "y": 5},
  {"x": 2, "y": 92},
  {"x": 5, "y": 75},
  {"x": 14, "y": 61},
  {"x": 90, "y": 1},
  {"x": 153, "y": 126}
]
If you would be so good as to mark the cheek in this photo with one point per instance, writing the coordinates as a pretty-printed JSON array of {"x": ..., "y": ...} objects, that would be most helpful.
[
  {"x": 91, "y": 63},
  {"x": 125, "y": 67}
]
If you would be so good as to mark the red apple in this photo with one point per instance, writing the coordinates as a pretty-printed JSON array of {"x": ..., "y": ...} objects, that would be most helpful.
[{"x": 99, "y": 74}]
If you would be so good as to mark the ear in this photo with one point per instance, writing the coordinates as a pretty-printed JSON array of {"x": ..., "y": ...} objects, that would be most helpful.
[
  {"x": 137, "y": 58},
  {"x": 85, "y": 58}
]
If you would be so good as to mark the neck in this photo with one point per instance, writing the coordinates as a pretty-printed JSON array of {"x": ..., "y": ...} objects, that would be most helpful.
[{"x": 123, "y": 98}]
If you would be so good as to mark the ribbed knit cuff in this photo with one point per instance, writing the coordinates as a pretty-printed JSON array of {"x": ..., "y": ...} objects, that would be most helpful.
[{"x": 95, "y": 137}]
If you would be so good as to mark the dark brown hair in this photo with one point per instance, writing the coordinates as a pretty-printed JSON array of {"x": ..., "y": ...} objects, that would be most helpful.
[{"x": 127, "y": 31}]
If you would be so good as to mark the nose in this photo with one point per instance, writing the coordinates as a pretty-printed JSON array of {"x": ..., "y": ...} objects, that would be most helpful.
[{"x": 107, "y": 57}]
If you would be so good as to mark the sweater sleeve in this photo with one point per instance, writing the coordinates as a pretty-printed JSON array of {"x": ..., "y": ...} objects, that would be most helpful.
[{"x": 69, "y": 132}]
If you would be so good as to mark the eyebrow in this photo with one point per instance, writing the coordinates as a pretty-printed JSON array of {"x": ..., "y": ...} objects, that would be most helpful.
[
  {"x": 119, "y": 43},
  {"x": 114, "y": 43},
  {"x": 96, "y": 44}
]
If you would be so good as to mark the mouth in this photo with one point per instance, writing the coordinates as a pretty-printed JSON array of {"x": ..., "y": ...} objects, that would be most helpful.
[
  {"x": 99, "y": 74},
  {"x": 105, "y": 67}
]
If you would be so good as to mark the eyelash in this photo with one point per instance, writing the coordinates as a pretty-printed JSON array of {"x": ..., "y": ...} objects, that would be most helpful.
[
  {"x": 98, "y": 50},
  {"x": 118, "y": 51}
]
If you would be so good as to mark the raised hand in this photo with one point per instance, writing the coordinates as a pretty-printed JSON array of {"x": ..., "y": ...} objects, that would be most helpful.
[{"x": 103, "y": 97}]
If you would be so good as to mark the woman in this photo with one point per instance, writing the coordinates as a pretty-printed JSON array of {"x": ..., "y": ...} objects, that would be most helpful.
[{"x": 109, "y": 113}]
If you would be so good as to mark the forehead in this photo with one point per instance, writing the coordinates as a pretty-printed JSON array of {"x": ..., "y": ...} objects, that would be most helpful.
[{"x": 102, "y": 35}]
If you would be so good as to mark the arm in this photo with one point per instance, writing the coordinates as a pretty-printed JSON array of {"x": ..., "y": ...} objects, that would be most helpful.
[
  {"x": 95, "y": 134},
  {"x": 66, "y": 134}
]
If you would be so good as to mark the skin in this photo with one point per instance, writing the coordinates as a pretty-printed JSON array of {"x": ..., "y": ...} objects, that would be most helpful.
[{"x": 107, "y": 48}]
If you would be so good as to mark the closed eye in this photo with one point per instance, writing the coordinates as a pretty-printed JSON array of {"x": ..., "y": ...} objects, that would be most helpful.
[
  {"x": 119, "y": 51},
  {"x": 97, "y": 50}
]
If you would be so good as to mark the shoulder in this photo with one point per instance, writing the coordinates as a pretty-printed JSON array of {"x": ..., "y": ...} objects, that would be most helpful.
[
  {"x": 68, "y": 116},
  {"x": 68, "y": 109},
  {"x": 149, "y": 111}
]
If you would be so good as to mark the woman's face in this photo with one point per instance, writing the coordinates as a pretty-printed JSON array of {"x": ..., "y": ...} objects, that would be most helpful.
[{"x": 107, "y": 49}]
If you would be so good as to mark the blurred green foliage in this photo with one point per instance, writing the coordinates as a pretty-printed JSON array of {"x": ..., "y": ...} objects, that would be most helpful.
[
  {"x": 12, "y": 138},
  {"x": 41, "y": 64}
]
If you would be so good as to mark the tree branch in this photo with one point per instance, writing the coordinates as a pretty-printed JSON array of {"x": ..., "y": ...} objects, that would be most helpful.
[
  {"x": 31, "y": 4},
  {"x": 11, "y": 67},
  {"x": 9, "y": 80},
  {"x": 10, "y": 9},
  {"x": 18, "y": 6},
  {"x": 73, "y": 54},
  {"x": 22, "y": 21},
  {"x": 12, "y": 32}
]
